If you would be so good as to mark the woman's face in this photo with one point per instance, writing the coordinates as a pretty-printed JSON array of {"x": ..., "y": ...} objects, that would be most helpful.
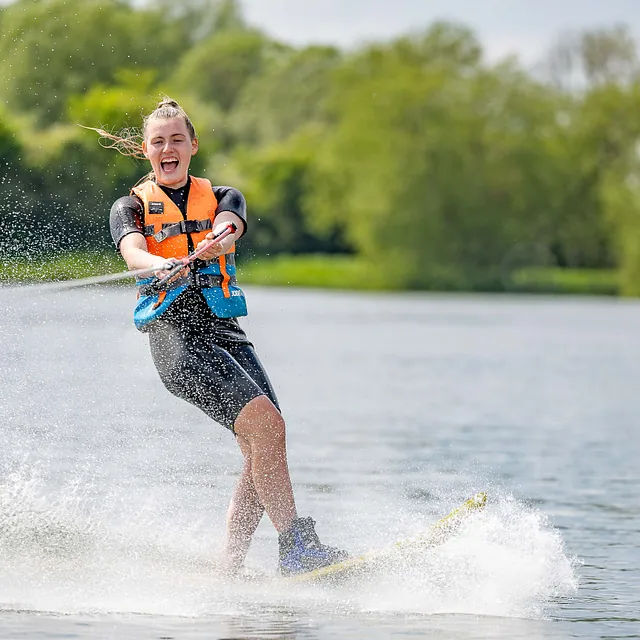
[{"x": 169, "y": 148}]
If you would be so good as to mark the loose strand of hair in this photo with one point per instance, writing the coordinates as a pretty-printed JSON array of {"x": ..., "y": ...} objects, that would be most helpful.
[{"x": 128, "y": 142}]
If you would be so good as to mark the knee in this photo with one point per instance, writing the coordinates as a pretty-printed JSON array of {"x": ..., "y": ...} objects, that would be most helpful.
[{"x": 260, "y": 422}]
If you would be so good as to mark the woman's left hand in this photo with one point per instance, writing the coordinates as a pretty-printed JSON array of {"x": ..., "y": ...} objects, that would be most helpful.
[{"x": 219, "y": 248}]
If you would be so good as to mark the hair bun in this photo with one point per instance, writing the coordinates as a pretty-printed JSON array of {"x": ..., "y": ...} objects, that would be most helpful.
[{"x": 168, "y": 102}]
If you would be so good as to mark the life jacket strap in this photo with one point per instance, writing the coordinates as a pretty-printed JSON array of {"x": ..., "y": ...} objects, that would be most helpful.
[
  {"x": 170, "y": 229},
  {"x": 229, "y": 257},
  {"x": 150, "y": 286},
  {"x": 209, "y": 280}
]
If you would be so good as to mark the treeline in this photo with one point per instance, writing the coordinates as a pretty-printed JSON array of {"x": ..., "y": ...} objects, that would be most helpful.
[{"x": 438, "y": 168}]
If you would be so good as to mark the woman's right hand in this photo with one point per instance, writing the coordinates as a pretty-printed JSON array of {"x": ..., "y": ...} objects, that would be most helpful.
[{"x": 163, "y": 268}]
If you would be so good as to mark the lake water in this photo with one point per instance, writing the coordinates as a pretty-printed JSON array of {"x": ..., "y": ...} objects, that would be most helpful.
[{"x": 113, "y": 493}]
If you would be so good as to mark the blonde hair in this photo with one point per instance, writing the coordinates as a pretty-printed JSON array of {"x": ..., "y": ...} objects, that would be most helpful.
[{"x": 128, "y": 141}]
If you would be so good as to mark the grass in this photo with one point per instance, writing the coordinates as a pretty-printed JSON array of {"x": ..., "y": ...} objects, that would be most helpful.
[
  {"x": 322, "y": 271},
  {"x": 568, "y": 281},
  {"x": 316, "y": 270}
]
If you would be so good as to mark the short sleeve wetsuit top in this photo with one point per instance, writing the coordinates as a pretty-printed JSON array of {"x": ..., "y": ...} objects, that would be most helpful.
[{"x": 201, "y": 358}]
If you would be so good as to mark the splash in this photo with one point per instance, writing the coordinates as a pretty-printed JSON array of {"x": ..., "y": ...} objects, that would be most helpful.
[
  {"x": 71, "y": 552},
  {"x": 506, "y": 561}
]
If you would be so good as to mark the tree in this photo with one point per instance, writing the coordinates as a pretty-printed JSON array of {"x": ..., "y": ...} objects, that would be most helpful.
[
  {"x": 202, "y": 18},
  {"x": 217, "y": 69},
  {"x": 610, "y": 140},
  {"x": 593, "y": 58},
  {"x": 53, "y": 49},
  {"x": 18, "y": 198},
  {"x": 290, "y": 94},
  {"x": 436, "y": 166},
  {"x": 274, "y": 180}
]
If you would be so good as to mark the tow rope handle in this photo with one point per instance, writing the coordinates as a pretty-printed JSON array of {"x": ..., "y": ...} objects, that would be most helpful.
[{"x": 176, "y": 267}]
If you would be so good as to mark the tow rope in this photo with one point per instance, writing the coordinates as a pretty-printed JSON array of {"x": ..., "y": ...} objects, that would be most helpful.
[{"x": 173, "y": 268}]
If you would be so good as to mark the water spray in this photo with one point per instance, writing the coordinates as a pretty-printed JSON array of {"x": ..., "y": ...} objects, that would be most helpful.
[{"x": 172, "y": 266}]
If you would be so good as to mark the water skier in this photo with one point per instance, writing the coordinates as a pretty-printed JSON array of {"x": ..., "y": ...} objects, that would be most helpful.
[{"x": 198, "y": 347}]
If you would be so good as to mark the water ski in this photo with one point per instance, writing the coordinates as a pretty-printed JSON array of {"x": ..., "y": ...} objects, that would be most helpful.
[{"x": 436, "y": 534}]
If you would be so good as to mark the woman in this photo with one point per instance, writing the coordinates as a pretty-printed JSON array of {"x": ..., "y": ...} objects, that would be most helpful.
[{"x": 199, "y": 349}]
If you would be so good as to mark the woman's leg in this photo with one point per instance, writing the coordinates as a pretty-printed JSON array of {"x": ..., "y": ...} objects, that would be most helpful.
[
  {"x": 234, "y": 390},
  {"x": 260, "y": 427},
  {"x": 245, "y": 512}
]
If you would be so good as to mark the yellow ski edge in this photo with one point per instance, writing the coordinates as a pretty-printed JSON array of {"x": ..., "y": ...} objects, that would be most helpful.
[{"x": 439, "y": 528}]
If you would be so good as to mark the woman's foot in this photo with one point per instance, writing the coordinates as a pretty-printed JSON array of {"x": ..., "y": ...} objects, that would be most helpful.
[{"x": 301, "y": 550}]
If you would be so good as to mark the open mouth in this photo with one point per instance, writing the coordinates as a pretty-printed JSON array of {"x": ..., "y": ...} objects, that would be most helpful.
[{"x": 169, "y": 165}]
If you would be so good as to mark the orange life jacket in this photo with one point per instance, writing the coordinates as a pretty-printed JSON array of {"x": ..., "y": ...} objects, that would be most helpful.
[
  {"x": 167, "y": 233},
  {"x": 165, "y": 228}
]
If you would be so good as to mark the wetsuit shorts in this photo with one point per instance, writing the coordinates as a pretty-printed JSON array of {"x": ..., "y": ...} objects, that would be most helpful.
[{"x": 206, "y": 360}]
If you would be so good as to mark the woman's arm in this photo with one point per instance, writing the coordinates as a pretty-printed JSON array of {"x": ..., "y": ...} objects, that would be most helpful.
[
  {"x": 232, "y": 207},
  {"x": 133, "y": 248},
  {"x": 126, "y": 230},
  {"x": 230, "y": 199}
]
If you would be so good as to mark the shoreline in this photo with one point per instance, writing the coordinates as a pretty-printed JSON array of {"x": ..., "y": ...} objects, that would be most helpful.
[{"x": 321, "y": 271}]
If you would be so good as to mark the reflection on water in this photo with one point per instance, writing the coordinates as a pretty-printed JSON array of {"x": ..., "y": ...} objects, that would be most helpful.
[{"x": 113, "y": 493}]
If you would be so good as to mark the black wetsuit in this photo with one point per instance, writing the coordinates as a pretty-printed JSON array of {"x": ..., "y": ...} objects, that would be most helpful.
[{"x": 205, "y": 360}]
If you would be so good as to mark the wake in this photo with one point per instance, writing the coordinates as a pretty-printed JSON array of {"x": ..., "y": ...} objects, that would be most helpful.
[{"x": 68, "y": 553}]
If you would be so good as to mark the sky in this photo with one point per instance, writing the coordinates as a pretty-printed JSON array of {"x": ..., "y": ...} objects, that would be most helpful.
[{"x": 527, "y": 28}]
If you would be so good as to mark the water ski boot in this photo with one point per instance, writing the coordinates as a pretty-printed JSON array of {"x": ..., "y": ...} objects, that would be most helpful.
[{"x": 301, "y": 550}]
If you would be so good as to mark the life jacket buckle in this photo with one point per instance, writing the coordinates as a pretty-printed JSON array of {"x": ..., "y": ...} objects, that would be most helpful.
[{"x": 190, "y": 226}]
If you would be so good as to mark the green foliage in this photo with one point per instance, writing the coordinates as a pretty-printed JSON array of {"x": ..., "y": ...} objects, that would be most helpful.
[
  {"x": 329, "y": 272},
  {"x": 200, "y": 19},
  {"x": 594, "y": 58},
  {"x": 567, "y": 281},
  {"x": 616, "y": 136},
  {"x": 352, "y": 272},
  {"x": 16, "y": 184},
  {"x": 275, "y": 180},
  {"x": 71, "y": 265},
  {"x": 217, "y": 69},
  {"x": 10, "y": 147},
  {"x": 71, "y": 206},
  {"x": 438, "y": 167},
  {"x": 289, "y": 95},
  {"x": 52, "y": 49},
  {"x": 121, "y": 104},
  {"x": 416, "y": 155}
]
